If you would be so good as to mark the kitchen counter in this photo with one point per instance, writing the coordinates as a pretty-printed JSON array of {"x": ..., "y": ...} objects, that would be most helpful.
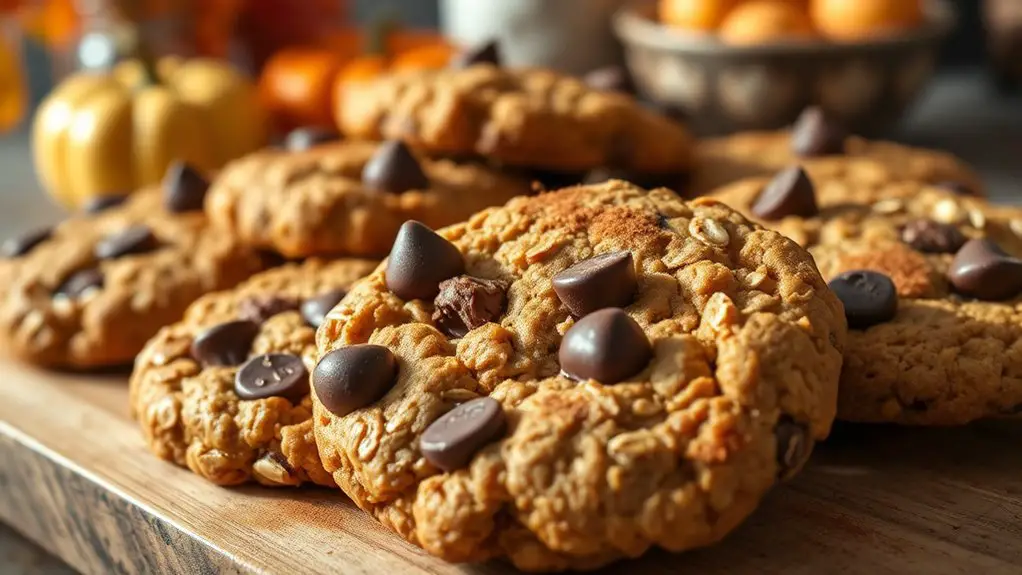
[{"x": 959, "y": 115}]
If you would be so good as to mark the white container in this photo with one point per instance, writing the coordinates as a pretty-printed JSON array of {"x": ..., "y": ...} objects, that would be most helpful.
[{"x": 572, "y": 36}]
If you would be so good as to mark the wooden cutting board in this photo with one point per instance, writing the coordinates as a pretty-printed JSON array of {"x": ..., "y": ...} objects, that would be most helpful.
[{"x": 76, "y": 478}]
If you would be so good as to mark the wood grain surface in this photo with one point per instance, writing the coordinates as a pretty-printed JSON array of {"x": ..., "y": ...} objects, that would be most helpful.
[{"x": 77, "y": 479}]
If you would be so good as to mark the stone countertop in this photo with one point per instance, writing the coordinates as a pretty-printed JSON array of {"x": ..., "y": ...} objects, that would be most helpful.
[{"x": 959, "y": 114}]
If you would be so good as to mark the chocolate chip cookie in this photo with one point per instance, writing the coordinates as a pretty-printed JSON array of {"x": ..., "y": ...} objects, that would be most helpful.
[
  {"x": 348, "y": 197},
  {"x": 90, "y": 291},
  {"x": 931, "y": 284},
  {"x": 526, "y": 118},
  {"x": 225, "y": 391},
  {"x": 577, "y": 377},
  {"x": 826, "y": 152}
]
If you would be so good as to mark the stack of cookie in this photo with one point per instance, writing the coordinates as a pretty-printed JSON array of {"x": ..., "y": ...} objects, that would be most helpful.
[{"x": 563, "y": 380}]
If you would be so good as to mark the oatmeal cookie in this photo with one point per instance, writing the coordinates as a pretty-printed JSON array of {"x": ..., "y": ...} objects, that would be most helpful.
[
  {"x": 348, "y": 198},
  {"x": 576, "y": 377},
  {"x": 225, "y": 391},
  {"x": 826, "y": 153},
  {"x": 527, "y": 118},
  {"x": 932, "y": 286},
  {"x": 90, "y": 291}
]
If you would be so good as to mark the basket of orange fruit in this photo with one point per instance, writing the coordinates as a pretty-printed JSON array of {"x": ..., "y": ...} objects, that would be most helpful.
[{"x": 731, "y": 65}]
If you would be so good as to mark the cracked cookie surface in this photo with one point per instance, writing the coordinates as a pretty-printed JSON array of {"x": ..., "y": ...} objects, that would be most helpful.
[
  {"x": 952, "y": 353},
  {"x": 737, "y": 382},
  {"x": 729, "y": 159},
  {"x": 96, "y": 287},
  {"x": 528, "y": 118},
  {"x": 314, "y": 202},
  {"x": 191, "y": 413}
]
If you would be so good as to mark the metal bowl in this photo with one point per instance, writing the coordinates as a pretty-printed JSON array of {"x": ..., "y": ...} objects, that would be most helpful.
[{"x": 722, "y": 88}]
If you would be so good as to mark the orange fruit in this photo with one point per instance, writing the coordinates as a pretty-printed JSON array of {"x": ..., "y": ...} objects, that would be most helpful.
[
  {"x": 703, "y": 15},
  {"x": 761, "y": 21},
  {"x": 859, "y": 19},
  {"x": 13, "y": 91}
]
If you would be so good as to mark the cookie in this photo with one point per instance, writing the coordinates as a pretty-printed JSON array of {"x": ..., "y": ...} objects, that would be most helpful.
[
  {"x": 934, "y": 309},
  {"x": 577, "y": 377},
  {"x": 527, "y": 118},
  {"x": 90, "y": 291},
  {"x": 225, "y": 391},
  {"x": 826, "y": 153},
  {"x": 347, "y": 197}
]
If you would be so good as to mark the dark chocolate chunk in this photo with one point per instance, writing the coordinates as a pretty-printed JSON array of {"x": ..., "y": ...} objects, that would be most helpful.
[
  {"x": 419, "y": 261},
  {"x": 273, "y": 375},
  {"x": 262, "y": 307},
  {"x": 21, "y": 245},
  {"x": 869, "y": 297},
  {"x": 607, "y": 346},
  {"x": 981, "y": 269},
  {"x": 790, "y": 193},
  {"x": 133, "y": 240},
  {"x": 932, "y": 237},
  {"x": 314, "y": 310},
  {"x": 465, "y": 303},
  {"x": 184, "y": 188},
  {"x": 353, "y": 377},
  {"x": 81, "y": 282},
  {"x": 226, "y": 344},
  {"x": 450, "y": 442},
  {"x": 606, "y": 280},
  {"x": 817, "y": 134}
]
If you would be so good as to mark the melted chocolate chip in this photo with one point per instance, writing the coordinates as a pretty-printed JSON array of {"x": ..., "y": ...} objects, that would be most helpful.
[
  {"x": 353, "y": 377},
  {"x": 790, "y": 193},
  {"x": 869, "y": 297},
  {"x": 606, "y": 280},
  {"x": 21, "y": 245},
  {"x": 133, "y": 240},
  {"x": 226, "y": 344},
  {"x": 465, "y": 303},
  {"x": 981, "y": 269},
  {"x": 607, "y": 346},
  {"x": 450, "y": 442},
  {"x": 314, "y": 310},
  {"x": 419, "y": 261},
  {"x": 932, "y": 237},
  {"x": 184, "y": 188},
  {"x": 273, "y": 375},
  {"x": 301, "y": 139},
  {"x": 817, "y": 134}
]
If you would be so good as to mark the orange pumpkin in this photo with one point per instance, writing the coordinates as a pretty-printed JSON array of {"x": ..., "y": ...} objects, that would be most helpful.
[{"x": 297, "y": 84}]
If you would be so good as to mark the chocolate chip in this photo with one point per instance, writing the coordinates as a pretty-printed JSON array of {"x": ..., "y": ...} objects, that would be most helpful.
[
  {"x": 226, "y": 344},
  {"x": 273, "y": 375},
  {"x": 314, "y": 310},
  {"x": 932, "y": 237},
  {"x": 869, "y": 297},
  {"x": 450, "y": 442},
  {"x": 610, "y": 79},
  {"x": 262, "y": 307},
  {"x": 465, "y": 303},
  {"x": 606, "y": 345},
  {"x": 21, "y": 245},
  {"x": 393, "y": 169},
  {"x": 301, "y": 139},
  {"x": 607, "y": 280},
  {"x": 790, "y": 193},
  {"x": 817, "y": 134},
  {"x": 981, "y": 269},
  {"x": 957, "y": 188},
  {"x": 184, "y": 188},
  {"x": 419, "y": 261},
  {"x": 485, "y": 53},
  {"x": 133, "y": 240},
  {"x": 793, "y": 446},
  {"x": 353, "y": 377},
  {"x": 81, "y": 282},
  {"x": 103, "y": 203}
]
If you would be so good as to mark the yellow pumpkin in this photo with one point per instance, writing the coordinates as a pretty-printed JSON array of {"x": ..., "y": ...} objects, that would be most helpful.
[{"x": 101, "y": 134}]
